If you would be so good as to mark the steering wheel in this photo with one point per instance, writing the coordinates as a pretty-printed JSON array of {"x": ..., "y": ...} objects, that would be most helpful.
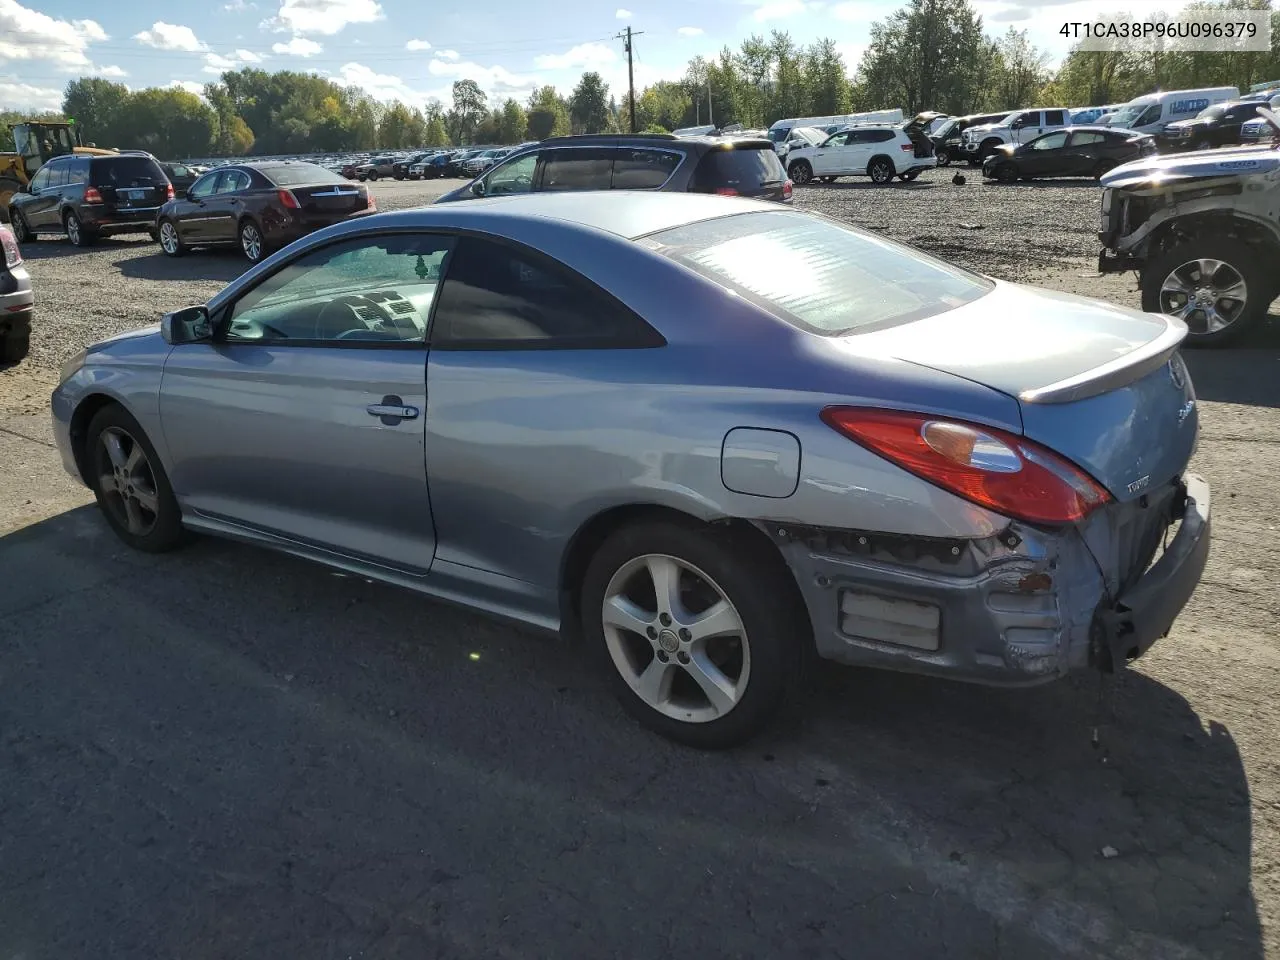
[{"x": 342, "y": 311}]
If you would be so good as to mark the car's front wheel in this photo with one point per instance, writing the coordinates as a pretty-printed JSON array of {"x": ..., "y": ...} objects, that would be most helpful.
[
  {"x": 1218, "y": 286},
  {"x": 701, "y": 630},
  {"x": 170, "y": 242},
  {"x": 129, "y": 483},
  {"x": 373, "y": 174},
  {"x": 15, "y": 345},
  {"x": 943, "y": 156},
  {"x": 800, "y": 172},
  {"x": 21, "y": 232},
  {"x": 1006, "y": 173}
]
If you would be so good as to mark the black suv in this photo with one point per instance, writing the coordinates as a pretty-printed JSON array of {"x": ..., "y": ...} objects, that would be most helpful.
[
  {"x": 737, "y": 166},
  {"x": 91, "y": 197},
  {"x": 946, "y": 139},
  {"x": 1215, "y": 126}
]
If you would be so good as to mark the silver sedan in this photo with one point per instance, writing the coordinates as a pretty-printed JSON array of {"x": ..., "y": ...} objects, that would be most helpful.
[{"x": 710, "y": 439}]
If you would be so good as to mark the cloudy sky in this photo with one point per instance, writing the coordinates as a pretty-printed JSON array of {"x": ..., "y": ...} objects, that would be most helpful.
[{"x": 412, "y": 51}]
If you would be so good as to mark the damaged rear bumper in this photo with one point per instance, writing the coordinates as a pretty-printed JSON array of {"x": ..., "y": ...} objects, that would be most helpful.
[{"x": 1018, "y": 609}]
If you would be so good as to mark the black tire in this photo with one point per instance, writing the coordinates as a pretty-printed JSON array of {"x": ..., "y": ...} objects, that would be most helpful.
[
  {"x": 1102, "y": 167},
  {"x": 880, "y": 170},
  {"x": 161, "y": 529},
  {"x": 373, "y": 174},
  {"x": 908, "y": 176},
  {"x": 943, "y": 156},
  {"x": 77, "y": 234},
  {"x": 1249, "y": 263},
  {"x": 752, "y": 580},
  {"x": 245, "y": 232},
  {"x": 398, "y": 176},
  {"x": 1202, "y": 145},
  {"x": 170, "y": 246},
  {"x": 1006, "y": 173},
  {"x": 800, "y": 172},
  {"x": 21, "y": 232},
  {"x": 15, "y": 346}
]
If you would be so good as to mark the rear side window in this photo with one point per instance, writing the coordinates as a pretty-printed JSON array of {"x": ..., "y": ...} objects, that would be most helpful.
[
  {"x": 817, "y": 274},
  {"x": 643, "y": 169},
  {"x": 498, "y": 296},
  {"x": 129, "y": 171},
  {"x": 1054, "y": 117},
  {"x": 79, "y": 171},
  {"x": 870, "y": 136},
  {"x": 741, "y": 168},
  {"x": 584, "y": 169},
  {"x": 1087, "y": 137}
]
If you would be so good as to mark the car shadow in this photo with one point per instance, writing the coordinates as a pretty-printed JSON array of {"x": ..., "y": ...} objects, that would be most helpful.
[
  {"x": 218, "y": 264},
  {"x": 299, "y": 733},
  {"x": 55, "y": 248},
  {"x": 1243, "y": 373},
  {"x": 866, "y": 184}
]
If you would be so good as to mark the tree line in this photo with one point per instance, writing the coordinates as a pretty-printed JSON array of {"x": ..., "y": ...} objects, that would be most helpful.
[{"x": 928, "y": 55}]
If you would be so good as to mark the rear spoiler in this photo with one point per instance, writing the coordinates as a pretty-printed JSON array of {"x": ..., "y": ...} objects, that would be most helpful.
[{"x": 1114, "y": 374}]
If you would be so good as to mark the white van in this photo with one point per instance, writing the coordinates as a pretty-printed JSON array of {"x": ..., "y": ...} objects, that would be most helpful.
[
  {"x": 1150, "y": 113},
  {"x": 780, "y": 132}
]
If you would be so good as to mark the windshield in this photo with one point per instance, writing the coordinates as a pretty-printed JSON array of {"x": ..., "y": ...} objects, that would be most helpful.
[
  {"x": 779, "y": 134},
  {"x": 1128, "y": 114},
  {"x": 1211, "y": 113},
  {"x": 946, "y": 128},
  {"x": 819, "y": 274}
]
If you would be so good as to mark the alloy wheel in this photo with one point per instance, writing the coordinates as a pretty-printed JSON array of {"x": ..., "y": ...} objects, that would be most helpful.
[
  {"x": 127, "y": 482},
  {"x": 881, "y": 172},
  {"x": 251, "y": 242},
  {"x": 73, "y": 229},
  {"x": 1208, "y": 295},
  {"x": 21, "y": 232},
  {"x": 169, "y": 238},
  {"x": 676, "y": 638}
]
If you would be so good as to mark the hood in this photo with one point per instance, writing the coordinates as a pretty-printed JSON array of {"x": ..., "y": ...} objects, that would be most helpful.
[
  {"x": 1199, "y": 165},
  {"x": 982, "y": 128},
  {"x": 1189, "y": 122},
  {"x": 119, "y": 338}
]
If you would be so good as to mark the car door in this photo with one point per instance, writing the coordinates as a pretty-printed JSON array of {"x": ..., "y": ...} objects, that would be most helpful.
[
  {"x": 193, "y": 213},
  {"x": 1029, "y": 126},
  {"x": 826, "y": 159},
  {"x": 40, "y": 206},
  {"x": 1084, "y": 151},
  {"x": 518, "y": 345},
  {"x": 224, "y": 206},
  {"x": 303, "y": 419},
  {"x": 1044, "y": 156}
]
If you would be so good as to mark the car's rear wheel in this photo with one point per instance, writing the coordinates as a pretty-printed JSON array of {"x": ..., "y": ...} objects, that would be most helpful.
[
  {"x": 880, "y": 170},
  {"x": 251, "y": 241},
  {"x": 1218, "y": 286},
  {"x": 373, "y": 174},
  {"x": 77, "y": 233},
  {"x": 1102, "y": 167},
  {"x": 800, "y": 172},
  {"x": 21, "y": 232},
  {"x": 987, "y": 149},
  {"x": 170, "y": 241},
  {"x": 700, "y": 630},
  {"x": 14, "y": 346},
  {"x": 129, "y": 483},
  {"x": 1006, "y": 173}
]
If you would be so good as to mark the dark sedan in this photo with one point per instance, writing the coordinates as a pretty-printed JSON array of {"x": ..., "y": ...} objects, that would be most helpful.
[
  {"x": 1072, "y": 152},
  {"x": 259, "y": 206}
]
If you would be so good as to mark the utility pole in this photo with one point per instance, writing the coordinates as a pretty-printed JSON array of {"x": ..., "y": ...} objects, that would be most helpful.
[{"x": 631, "y": 78}]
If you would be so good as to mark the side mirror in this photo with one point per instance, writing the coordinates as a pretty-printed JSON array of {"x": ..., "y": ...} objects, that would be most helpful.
[
  {"x": 187, "y": 194},
  {"x": 190, "y": 325},
  {"x": 478, "y": 188}
]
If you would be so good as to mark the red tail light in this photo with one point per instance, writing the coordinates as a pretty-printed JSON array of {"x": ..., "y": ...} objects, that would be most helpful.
[
  {"x": 997, "y": 470},
  {"x": 288, "y": 200},
  {"x": 908, "y": 147},
  {"x": 91, "y": 195},
  {"x": 12, "y": 255},
  {"x": 787, "y": 189},
  {"x": 168, "y": 190},
  {"x": 726, "y": 191}
]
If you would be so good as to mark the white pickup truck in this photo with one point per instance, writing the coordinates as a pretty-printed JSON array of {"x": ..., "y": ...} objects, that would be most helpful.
[{"x": 1021, "y": 126}]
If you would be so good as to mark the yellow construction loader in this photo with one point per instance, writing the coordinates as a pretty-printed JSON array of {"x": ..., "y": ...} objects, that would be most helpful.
[{"x": 37, "y": 142}]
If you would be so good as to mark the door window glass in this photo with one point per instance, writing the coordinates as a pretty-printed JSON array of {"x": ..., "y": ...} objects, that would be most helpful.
[
  {"x": 1054, "y": 117},
  {"x": 583, "y": 169},
  {"x": 1052, "y": 142},
  {"x": 369, "y": 289},
  {"x": 79, "y": 171},
  {"x": 498, "y": 295},
  {"x": 41, "y": 179},
  {"x": 203, "y": 187},
  {"x": 839, "y": 140},
  {"x": 643, "y": 169},
  {"x": 513, "y": 177},
  {"x": 1087, "y": 137},
  {"x": 57, "y": 174},
  {"x": 232, "y": 180}
]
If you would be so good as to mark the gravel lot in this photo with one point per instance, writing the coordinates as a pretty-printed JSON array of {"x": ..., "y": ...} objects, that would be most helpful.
[{"x": 224, "y": 752}]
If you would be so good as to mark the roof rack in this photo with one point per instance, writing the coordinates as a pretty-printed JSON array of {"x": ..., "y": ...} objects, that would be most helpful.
[{"x": 590, "y": 137}]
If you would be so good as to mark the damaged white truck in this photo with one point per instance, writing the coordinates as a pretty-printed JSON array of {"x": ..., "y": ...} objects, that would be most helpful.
[{"x": 1203, "y": 232}]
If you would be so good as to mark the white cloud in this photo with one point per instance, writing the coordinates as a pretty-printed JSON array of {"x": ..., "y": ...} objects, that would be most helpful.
[
  {"x": 297, "y": 47},
  {"x": 585, "y": 56},
  {"x": 779, "y": 10},
  {"x": 852, "y": 53},
  {"x": 689, "y": 32},
  {"x": 169, "y": 36},
  {"x": 497, "y": 82},
  {"x": 859, "y": 11},
  {"x": 324, "y": 17},
  {"x": 447, "y": 54},
  {"x": 24, "y": 96},
  {"x": 238, "y": 6},
  {"x": 624, "y": 14},
  {"x": 382, "y": 86},
  {"x": 112, "y": 71},
  {"x": 417, "y": 45},
  {"x": 27, "y": 34},
  {"x": 190, "y": 86},
  {"x": 216, "y": 63}
]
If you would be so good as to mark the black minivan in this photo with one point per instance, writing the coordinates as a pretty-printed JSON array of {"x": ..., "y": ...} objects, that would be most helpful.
[{"x": 91, "y": 197}]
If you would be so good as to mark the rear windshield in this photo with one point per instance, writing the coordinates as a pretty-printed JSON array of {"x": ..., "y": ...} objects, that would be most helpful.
[
  {"x": 744, "y": 168},
  {"x": 818, "y": 274},
  {"x": 296, "y": 174},
  {"x": 127, "y": 171}
]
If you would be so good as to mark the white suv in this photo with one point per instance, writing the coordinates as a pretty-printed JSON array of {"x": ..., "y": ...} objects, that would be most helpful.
[
  {"x": 1021, "y": 126},
  {"x": 880, "y": 151}
]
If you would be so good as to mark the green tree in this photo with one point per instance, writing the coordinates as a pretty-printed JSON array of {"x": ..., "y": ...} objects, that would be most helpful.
[
  {"x": 512, "y": 122},
  {"x": 1022, "y": 71},
  {"x": 548, "y": 114},
  {"x": 470, "y": 106},
  {"x": 167, "y": 122},
  {"x": 589, "y": 105},
  {"x": 826, "y": 81},
  {"x": 95, "y": 104}
]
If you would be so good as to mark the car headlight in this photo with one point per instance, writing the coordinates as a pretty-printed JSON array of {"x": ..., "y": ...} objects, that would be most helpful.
[{"x": 71, "y": 367}]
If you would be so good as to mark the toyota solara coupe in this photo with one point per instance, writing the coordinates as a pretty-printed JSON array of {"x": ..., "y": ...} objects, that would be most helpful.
[{"x": 709, "y": 438}]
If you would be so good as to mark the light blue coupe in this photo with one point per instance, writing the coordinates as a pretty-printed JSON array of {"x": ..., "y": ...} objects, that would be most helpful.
[{"x": 707, "y": 437}]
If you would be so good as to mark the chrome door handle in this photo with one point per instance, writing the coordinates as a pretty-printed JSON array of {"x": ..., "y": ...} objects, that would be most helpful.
[{"x": 392, "y": 410}]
